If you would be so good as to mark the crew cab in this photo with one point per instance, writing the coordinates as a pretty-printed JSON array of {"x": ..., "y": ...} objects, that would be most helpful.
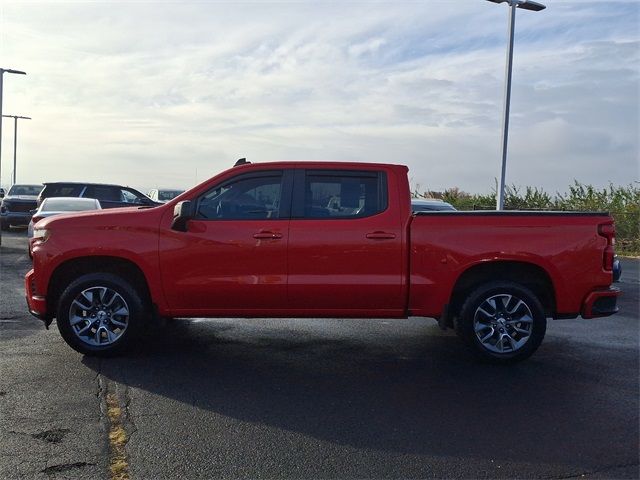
[{"x": 319, "y": 239}]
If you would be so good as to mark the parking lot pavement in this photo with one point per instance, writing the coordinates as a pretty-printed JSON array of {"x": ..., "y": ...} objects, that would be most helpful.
[
  {"x": 307, "y": 398},
  {"x": 51, "y": 425}
]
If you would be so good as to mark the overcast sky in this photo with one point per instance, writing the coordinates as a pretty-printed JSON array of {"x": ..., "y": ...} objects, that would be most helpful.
[{"x": 167, "y": 94}]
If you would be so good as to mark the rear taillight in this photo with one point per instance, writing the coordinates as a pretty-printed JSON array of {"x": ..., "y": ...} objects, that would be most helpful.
[{"x": 608, "y": 231}]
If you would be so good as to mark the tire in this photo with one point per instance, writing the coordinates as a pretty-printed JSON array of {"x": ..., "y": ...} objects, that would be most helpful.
[
  {"x": 502, "y": 322},
  {"x": 100, "y": 314}
]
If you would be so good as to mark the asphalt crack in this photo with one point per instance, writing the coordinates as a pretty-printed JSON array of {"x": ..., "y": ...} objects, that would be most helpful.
[
  {"x": 52, "y": 436},
  {"x": 65, "y": 467},
  {"x": 131, "y": 425}
]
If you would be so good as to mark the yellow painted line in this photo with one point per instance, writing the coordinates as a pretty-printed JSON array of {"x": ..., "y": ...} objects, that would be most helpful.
[{"x": 118, "y": 464}]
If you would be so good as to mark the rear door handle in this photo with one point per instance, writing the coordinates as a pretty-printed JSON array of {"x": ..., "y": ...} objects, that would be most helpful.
[
  {"x": 380, "y": 236},
  {"x": 267, "y": 235}
]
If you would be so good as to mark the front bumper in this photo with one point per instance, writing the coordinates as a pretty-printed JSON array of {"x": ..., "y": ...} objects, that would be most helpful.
[
  {"x": 601, "y": 303},
  {"x": 37, "y": 304}
]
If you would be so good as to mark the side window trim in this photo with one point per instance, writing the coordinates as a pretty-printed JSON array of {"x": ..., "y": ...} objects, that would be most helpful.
[
  {"x": 342, "y": 173},
  {"x": 383, "y": 191},
  {"x": 297, "y": 205},
  {"x": 286, "y": 194}
]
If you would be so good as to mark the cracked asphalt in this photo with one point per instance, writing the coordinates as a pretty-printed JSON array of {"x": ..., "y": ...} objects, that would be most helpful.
[{"x": 316, "y": 398}]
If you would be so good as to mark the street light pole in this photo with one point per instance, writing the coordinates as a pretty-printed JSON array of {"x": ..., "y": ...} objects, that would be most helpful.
[
  {"x": 15, "y": 140},
  {"x": 2, "y": 72},
  {"x": 507, "y": 105},
  {"x": 513, "y": 4}
]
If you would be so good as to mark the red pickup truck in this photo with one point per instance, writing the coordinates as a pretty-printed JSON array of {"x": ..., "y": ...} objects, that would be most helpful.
[{"x": 319, "y": 239}]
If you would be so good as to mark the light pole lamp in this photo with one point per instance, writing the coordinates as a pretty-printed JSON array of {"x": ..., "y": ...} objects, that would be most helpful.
[
  {"x": 15, "y": 140},
  {"x": 513, "y": 4},
  {"x": 2, "y": 72}
]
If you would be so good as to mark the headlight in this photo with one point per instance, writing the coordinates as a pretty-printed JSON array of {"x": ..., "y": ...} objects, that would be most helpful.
[{"x": 41, "y": 234}]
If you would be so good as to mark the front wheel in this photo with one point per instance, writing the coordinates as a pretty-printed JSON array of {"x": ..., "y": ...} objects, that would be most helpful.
[
  {"x": 100, "y": 314},
  {"x": 502, "y": 322}
]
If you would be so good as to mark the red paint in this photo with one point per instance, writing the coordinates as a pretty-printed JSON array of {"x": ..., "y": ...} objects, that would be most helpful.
[{"x": 390, "y": 264}]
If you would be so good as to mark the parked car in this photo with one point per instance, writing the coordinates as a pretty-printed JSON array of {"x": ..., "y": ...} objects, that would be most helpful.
[
  {"x": 110, "y": 196},
  {"x": 16, "y": 206},
  {"x": 163, "y": 195},
  {"x": 57, "y": 205},
  {"x": 430, "y": 205},
  {"x": 265, "y": 240}
]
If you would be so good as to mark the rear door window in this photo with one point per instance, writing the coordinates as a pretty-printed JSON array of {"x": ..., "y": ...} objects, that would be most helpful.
[
  {"x": 62, "y": 191},
  {"x": 104, "y": 193},
  {"x": 340, "y": 194}
]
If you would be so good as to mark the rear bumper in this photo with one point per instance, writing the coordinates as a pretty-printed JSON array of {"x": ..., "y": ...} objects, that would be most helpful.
[
  {"x": 601, "y": 303},
  {"x": 37, "y": 304},
  {"x": 617, "y": 269}
]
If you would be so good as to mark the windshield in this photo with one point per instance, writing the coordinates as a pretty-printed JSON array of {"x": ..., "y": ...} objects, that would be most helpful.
[
  {"x": 68, "y": 204},
  {"x": 25, "y": 190}
]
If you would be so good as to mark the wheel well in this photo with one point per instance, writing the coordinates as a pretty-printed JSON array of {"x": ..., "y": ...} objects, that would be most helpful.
[
  {"x": 528, "y": 275},
  {"x": 72, "y": 269}
]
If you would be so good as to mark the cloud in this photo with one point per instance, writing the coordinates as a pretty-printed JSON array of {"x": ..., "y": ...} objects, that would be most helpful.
[{"x": 148, "y": 94}]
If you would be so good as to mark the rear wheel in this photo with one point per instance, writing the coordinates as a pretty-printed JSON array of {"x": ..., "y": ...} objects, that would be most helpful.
[
  {"x": 100, "y": 314},
  {"x": 502, "y": 322}
]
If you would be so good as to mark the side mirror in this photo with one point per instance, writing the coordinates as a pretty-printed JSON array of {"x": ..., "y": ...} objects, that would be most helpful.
[{"x": 182, "y": 213}]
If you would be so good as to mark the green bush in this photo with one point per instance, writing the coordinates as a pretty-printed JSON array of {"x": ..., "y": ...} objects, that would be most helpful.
[{"x": 623, "y": 202}]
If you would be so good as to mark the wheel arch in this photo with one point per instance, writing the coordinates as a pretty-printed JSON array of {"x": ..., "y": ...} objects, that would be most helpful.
[
  {"x": 529, "y": 275},
  {"x": 71, "y": 269}
]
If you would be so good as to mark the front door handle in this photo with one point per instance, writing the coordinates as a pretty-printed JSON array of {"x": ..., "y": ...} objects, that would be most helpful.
[
  {"x": 380, "y": 236},
  {"x": 267, "y": 235}
]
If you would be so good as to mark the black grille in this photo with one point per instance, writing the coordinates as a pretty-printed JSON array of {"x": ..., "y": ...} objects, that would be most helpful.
[{"x": 20, "y": 206}]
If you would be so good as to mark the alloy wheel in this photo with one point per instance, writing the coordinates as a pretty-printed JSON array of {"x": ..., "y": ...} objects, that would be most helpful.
[
  {"x": 99, "y": 316},
  {"x": 503, "y": 323}
]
